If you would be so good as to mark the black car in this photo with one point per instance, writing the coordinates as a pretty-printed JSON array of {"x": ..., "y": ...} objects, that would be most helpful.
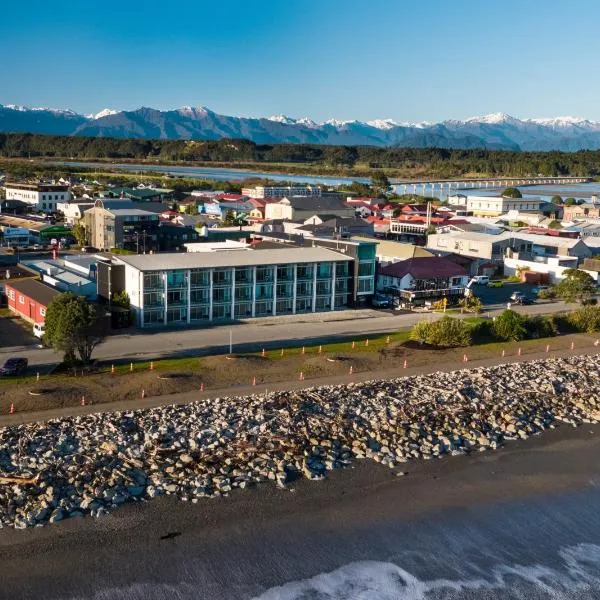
[
  {"x": 524, "y": 301},
  {"x": 14, "y": 366}
]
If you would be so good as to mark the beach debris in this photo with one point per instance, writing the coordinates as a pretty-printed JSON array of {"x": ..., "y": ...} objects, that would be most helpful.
[{"x": 91, "y": 464}]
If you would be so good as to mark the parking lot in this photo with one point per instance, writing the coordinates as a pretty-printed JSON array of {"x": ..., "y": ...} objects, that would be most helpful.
[
  {"x": 492, "y": 297},
  {"x": 15, "y": 332}
]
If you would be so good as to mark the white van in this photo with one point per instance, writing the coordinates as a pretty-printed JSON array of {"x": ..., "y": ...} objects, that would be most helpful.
[
  {"x": 38, "y": 330},
  {"x": 481, "y": 279}
]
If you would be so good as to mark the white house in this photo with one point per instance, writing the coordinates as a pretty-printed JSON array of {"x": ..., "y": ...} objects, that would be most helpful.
[{"x": 41, "y": 196}]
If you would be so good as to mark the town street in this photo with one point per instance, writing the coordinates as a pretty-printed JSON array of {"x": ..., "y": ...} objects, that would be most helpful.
[{"x": 253, "y": 335}]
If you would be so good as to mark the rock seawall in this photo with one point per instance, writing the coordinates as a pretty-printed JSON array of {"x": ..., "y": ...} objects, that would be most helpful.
[{"x": 91, "y": 464}]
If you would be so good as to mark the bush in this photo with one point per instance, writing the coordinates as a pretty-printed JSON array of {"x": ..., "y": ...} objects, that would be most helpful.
[
  {"x": 540, "y": 327},
  {"x": 471, "y": 304},
  {"x": 445, "y": 333},
  {"x": 509, "y": 326},
  {"x": 512, "y": 192},
  {"x": 547, "y": 294},
  {"x": 513, "y": 279},
  {"x": 482, "y": 332},
  {"x": 585, "y": 319}
]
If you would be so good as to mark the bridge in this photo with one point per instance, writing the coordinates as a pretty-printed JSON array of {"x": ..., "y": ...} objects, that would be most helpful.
[{"x": 428, "y": 188}]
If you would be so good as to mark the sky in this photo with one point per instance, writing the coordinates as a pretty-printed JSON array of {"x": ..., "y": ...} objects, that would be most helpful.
[{"x": 409, "y": 60}]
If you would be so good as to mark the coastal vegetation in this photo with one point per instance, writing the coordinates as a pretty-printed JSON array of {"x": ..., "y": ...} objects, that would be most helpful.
[{"x": 306, "y": 158}]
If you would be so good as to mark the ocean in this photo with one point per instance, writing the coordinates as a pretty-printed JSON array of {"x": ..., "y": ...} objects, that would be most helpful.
[{"x": 546, "y": 548}]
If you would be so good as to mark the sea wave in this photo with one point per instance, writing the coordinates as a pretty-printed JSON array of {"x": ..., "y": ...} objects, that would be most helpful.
[{"x": 577, "y": 578}]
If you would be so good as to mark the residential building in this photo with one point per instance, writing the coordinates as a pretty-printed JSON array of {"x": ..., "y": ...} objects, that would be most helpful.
[
  {"x": 299, "y": 208},
  {"x": 497, "y": 205},
  {"x": 553, "y": 267},
  {"x": 590, "y": 211},
  {"x": 40, "y": 196},
  {"x": 363, "y": 253},
  {"x": 121, "y": 226},
  {"x": 390, "y": 251},
  {"x": 73, "y": 210},
  {"x": 139, "y": 194},
  {"x": 330, "y": 226},
  {"x": 423, "y": 278},
  {"x": 203, "y": 287},
  {"x": 29, "y": 299},
  {"x": 279, "y": 191},
  {"x": 485, "y": 246}
]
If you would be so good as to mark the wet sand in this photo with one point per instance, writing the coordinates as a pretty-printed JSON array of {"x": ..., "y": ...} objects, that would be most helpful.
[{"x": 239, "y": 546}]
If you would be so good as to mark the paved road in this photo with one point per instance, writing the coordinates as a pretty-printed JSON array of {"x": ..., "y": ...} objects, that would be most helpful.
[{"x": 253, "y": 335}]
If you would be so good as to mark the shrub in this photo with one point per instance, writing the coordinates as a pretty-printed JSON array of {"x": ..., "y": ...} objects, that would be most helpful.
[
  {"x": 471, "y": 304},
  {"x": 513, "y": 279},
  {"x": 585, "y": 319},
  {"x": 445, "y": 333},
  {"x": 540, "y": 327},
  {"x": 509, "y": 326},
  {"x": 482, "y": 332},
  {"x": 547, "y": 293},
  {"x": 511, "y": 192}
]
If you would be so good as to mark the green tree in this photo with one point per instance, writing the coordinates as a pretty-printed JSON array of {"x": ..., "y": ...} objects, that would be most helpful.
[
  {"x": 577, "y": 286},
  {"x": 556, "y": 200},
  {"x": 509, "y": 326},
  {"x": 73, "y": 325},
  {"x": 554, "y": 225},
  {"x": 587, "y": 319},
  {"x": 570, "y": 201},
  {"x": 512, "y": 192},
  {"x": 380, "y": 181},
  {"x": 229, "y": 219},
  {"x": 121, "y": 299},
  {"x": 79, "y": 234},
  {"x": 471, "y": 304}
]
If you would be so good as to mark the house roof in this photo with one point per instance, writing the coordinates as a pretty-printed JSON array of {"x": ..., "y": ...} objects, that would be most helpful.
[
  {"x": 318, "y": 204},
  {"x": 157, "y": 262},
  {"x": 392, "y": 248},
  {"x": 424, "y": 268},
  {"x": 34, "y": 289}
]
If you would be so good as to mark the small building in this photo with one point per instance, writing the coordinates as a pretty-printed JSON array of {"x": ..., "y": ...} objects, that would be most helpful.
[
  {"x": 73, "y": 211},
  {"x": 14, "y": 237},
  {"x": 279, "y": 191},
  {"x": 552, "y": 267},
  {"x": 29, "y": 298},
  {"x": 293, "y": 208},
  {"x": 589, "y": 211},
  {"x": 423, "y": 278},
  {"x": 498, "y": 205}
]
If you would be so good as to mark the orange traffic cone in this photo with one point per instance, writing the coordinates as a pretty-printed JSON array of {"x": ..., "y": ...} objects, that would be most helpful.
[
  {"x": 12, "y": 408},
  {"x": 547, "y": 348},
  {"x": 143, "y": 393},
  {"x": 387, "y": 339},
  {"x": 254, "y": 381},
  {"x": 301, "y": 376},
  {"x": 353, "y": 344},
  {"x": 82, "y": 400},
  {"x": 37, "y": 376},
  {"x": 320, "y": 349},
  {"x": 152, "y": 365},
  {"x": 405, "y": 363},
  {"x": 572, "y": 345},
  {"x": 503, "y": 353},
  {"x": 263, "y": 354},
  {"x": 303, "y": 350},
  {"x": 350, "y": 372},
  {"x": 465, "y": 358},
  {"x": 112, "y": 369},
  {"x": 131, "y": 367},
  {"x": 519, "y": 352},
  {"x": 282, "y": 352},
  {"x": 202, "y": 387},
  {"x": 367, "y": 342}
]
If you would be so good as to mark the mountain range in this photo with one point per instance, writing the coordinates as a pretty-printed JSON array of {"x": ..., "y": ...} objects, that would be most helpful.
[{"x": 496, "y": 131}]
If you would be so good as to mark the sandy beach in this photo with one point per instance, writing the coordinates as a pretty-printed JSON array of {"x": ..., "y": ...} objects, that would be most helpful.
[{"x": 243, "y": 545}]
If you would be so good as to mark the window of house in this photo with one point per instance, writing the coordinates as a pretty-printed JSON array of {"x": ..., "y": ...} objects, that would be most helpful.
[
  {"x": 11, "y": 294},
  {"x": 21, "y": 299},
  {"x": 42, "y": 311}
]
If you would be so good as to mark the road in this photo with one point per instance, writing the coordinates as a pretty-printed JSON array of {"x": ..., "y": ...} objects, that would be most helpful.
[{"x": 253, "y": 335}]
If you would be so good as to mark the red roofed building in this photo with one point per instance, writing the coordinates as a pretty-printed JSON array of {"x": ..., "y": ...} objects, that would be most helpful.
[{"x": 423, "y": 278}]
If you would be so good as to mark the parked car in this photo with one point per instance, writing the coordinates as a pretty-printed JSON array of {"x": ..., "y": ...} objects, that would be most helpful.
[
  {"x": 481, "y": 279},
  {"x": 89, "y": 249},
  {"x": 516, "y": 296},
  {"x": 381, "y": 301},
  {"x": 498, "y": 283},
  {"x": 13, "y": 366},
  {"x": 38, "y": 330}
]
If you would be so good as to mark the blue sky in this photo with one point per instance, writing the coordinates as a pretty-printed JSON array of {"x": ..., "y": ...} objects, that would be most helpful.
[{"x": 364, "y": 59}]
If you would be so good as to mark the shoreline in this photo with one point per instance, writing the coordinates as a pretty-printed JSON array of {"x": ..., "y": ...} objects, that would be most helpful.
[{"x": 159, "y": 545}]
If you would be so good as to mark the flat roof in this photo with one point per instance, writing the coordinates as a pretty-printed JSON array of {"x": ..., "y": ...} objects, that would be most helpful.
[{"x": 234, "y": 258}]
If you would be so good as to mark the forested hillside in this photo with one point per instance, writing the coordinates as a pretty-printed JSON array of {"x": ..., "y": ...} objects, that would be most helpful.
[{"x": 350, "y": 160}]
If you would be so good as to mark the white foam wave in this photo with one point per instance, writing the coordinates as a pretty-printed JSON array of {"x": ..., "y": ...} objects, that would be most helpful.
[{"x": 578, "y": 576}]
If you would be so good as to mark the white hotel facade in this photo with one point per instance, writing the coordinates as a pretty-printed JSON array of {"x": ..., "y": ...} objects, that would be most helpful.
[{"x": 183, "y": 289}]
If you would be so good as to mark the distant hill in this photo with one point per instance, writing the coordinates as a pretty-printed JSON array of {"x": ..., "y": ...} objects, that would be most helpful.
[{"x": 492, "y": 132}]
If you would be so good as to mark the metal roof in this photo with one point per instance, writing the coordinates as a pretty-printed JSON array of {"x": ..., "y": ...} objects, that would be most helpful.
[
  {"x": 235, "y": 258},
  {"x": 34, "y": 289}
]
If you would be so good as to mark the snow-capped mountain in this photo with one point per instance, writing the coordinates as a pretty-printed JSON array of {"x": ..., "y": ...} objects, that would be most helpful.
[{"x": 496, "y": 131}]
